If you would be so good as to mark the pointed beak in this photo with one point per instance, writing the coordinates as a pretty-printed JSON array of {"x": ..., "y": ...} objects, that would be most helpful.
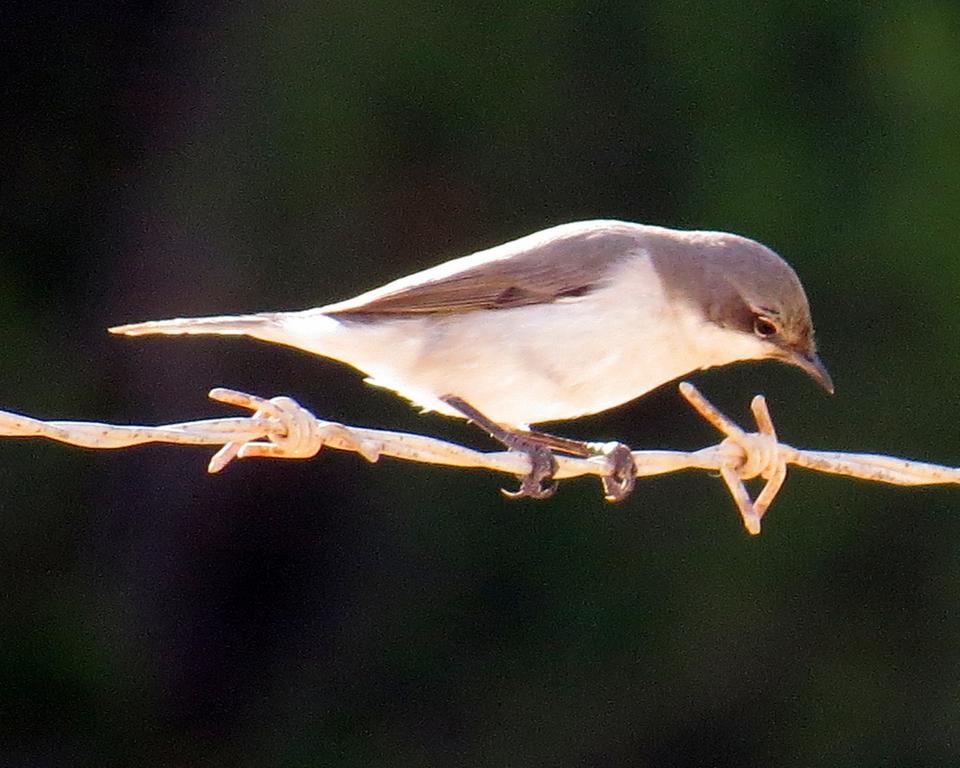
[{"x": 815, "y": 368}]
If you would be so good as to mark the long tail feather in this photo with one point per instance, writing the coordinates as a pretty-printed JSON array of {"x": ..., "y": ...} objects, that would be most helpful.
[{"x": 226, "y": 325}]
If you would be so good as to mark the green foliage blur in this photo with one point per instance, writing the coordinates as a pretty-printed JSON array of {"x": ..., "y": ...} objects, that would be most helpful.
[{"x": 164, "y": 159}]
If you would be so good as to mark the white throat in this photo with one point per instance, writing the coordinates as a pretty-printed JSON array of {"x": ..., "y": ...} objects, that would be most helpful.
[{"x": 714, "y": 345}]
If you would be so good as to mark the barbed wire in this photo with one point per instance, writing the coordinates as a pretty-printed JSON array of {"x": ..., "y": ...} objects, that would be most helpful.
[{"x": 280, "y": 428}]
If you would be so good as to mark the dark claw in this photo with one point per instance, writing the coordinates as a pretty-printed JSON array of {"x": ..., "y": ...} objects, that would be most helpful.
[
  {"x": 542, "y": 468},
  {"x": 618, "y": 485},
  {"x": 542, "y": 464}
]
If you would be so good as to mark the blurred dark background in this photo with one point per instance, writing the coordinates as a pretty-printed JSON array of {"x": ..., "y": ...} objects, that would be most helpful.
[{"x": 162, "y": 159}]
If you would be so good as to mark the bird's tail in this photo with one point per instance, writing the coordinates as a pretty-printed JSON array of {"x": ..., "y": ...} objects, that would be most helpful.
[
  {"x": 309, "y": 330},
  {"x": 258, "y": 325}
]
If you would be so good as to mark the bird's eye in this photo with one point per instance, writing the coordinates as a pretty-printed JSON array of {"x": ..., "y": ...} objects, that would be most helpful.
[{"x": 764, "y": 327}]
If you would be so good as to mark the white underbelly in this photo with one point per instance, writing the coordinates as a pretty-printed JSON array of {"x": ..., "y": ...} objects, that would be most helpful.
[{"x": 546, "y": 363}]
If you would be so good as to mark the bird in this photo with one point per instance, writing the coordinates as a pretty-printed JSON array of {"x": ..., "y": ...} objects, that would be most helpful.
[{"x": 572, "y": 320}]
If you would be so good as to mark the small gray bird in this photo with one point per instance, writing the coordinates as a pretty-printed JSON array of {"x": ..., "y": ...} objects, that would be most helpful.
[{"x": 565, "y": 322}]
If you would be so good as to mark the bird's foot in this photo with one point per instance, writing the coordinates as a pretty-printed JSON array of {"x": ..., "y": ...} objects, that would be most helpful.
[
  {"x": 543, "y": 465},
  {"x": 620, "y": 482},
  {"x": 542, "y": 468}
]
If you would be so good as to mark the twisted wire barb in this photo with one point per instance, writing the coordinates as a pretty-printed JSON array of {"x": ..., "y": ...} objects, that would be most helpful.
[{"x": 280, "y": 428}]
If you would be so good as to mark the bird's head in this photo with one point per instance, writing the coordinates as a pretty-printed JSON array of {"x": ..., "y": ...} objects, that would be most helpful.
[
  {"x": 750, "y": 294},
  {"x": 785, "y": 332}
]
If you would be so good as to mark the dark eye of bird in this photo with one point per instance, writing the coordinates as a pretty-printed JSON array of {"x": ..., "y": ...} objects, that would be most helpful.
[{"x": 764, "y": 327}]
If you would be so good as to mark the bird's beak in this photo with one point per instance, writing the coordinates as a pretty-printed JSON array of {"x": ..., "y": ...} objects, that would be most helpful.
[{"x": 814, "y": 367}]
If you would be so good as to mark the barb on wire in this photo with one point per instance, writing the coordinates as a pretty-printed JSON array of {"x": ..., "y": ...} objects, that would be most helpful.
[{"x": 280, "y": 428}]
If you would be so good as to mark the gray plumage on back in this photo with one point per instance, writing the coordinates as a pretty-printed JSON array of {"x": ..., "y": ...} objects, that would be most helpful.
[{"x": 562, "y": 262}]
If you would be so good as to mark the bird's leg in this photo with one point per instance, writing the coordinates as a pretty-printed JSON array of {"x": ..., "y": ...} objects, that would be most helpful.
[
  {"x": 539, "y": 446},
  {"x": 618, "y": 484},
  {"x": 542, "y": 463}
]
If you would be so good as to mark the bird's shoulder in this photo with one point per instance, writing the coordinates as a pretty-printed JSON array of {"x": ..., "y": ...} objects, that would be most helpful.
[{"x": 563, "y": 262}]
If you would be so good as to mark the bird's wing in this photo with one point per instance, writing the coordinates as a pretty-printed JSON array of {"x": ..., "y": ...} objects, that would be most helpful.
[{"x": 562, "y": 262}]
